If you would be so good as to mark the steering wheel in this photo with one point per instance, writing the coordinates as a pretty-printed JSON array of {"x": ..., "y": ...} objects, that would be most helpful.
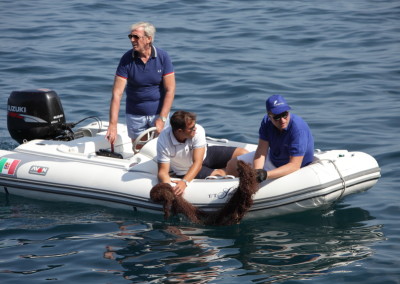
[{"x": 150, "y": 132}]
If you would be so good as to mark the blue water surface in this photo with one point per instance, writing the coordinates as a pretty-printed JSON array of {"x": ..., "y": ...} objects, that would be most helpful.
[{"x": 336, "y": 62}]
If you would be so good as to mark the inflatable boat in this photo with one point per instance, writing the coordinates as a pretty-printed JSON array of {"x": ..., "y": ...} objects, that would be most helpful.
[{"x": 55, "y": 163}]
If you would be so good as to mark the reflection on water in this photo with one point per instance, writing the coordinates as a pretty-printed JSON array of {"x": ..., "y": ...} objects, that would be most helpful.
[
  {"x": 39, "y": 239},
  {"x": 116, "y": 245},
  {"x": 304, "y": 250},
  {"x": 264, "y": 250}
]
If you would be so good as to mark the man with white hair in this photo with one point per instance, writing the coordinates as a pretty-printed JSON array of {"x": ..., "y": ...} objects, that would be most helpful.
[{"x": 147, "y": 74}]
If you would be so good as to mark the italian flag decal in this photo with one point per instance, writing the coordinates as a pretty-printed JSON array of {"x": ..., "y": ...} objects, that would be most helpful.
[{"x": 8, "y": 166}]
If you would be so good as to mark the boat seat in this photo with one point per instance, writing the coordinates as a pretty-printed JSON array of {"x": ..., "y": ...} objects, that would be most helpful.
[
  {"x": 146, "y": 159},
  {"x": 150, "y": 149},
  {"x": 89, "y": 145}
]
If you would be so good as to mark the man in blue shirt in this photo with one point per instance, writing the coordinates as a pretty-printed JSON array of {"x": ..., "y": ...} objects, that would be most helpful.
[
  {"x": 285, "y": 141},
  {"x": 147, "y": 74}
]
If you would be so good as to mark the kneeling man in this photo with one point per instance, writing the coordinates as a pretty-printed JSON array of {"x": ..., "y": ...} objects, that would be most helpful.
[{"x": 182, "y": 147}]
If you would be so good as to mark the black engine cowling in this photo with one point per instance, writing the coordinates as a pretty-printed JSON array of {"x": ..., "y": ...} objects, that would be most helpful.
[{"x": 34, "y": 114}]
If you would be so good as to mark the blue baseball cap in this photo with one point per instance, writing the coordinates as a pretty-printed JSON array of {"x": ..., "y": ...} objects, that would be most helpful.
[{"x": 277, "y": 104}]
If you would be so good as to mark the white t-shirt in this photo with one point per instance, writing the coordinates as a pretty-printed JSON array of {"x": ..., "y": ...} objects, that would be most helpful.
[{"x": 179, "y": 155}]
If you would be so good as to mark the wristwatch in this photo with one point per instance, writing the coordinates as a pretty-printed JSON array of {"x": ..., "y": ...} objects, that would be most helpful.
[
  {"x": 186, "y": 182},
  {"x": 164, "y": 119}
]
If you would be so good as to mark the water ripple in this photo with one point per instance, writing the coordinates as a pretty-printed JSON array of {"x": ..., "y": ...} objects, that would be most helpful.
[{"x": 336, "y": 63}]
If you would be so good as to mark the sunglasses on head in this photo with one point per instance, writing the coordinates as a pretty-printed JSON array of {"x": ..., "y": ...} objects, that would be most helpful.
[{"x": 277, "y": 117}]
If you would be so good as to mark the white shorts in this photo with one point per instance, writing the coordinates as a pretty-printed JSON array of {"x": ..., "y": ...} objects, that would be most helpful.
[{"x": 249, "y": 158}]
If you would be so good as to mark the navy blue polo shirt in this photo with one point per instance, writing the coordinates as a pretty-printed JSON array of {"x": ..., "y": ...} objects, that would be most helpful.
[
  {"x": 144, "y": 90},
  {"x": 295, "y": 140}
]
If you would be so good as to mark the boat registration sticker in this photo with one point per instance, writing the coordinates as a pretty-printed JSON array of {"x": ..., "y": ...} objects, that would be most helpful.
[{"x": 8, "y": 166}]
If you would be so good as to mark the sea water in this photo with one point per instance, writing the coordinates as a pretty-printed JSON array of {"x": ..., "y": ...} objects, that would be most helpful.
[{"x": 336, "y": 62}]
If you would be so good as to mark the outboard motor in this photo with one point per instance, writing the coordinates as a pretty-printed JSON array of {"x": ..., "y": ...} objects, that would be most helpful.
[{"x": 35, "y": 114}]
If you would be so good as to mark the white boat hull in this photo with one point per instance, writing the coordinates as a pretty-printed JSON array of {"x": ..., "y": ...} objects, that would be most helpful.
[{"x": 71, "y": 171}]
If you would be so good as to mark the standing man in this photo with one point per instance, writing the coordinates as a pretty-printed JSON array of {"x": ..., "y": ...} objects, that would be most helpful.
[
  {"x": 183, "y": 148},
  {"x": 148, "y": 75},
  {"x": 285, "y": 142}
]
